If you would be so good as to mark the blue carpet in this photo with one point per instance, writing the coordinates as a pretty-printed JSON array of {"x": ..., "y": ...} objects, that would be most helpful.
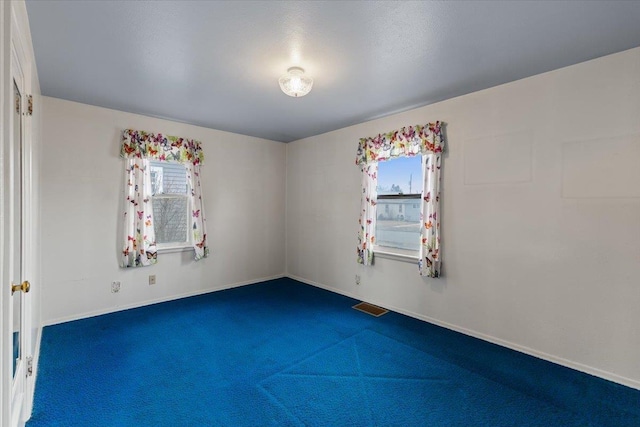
[{"x": 284, "y": 353}]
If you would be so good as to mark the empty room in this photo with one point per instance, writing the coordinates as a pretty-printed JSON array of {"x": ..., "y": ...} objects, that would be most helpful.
[{"x": 320, "y": 213}]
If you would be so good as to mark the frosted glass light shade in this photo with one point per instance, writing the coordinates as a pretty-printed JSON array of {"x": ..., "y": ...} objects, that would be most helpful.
[{"x": 295, "y": 83}]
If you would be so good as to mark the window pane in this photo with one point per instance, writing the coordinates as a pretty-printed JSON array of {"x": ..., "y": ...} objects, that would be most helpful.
[
  {"x": 156, "y": 180},
  {"x": 168, "y": 178},
  {"x": 402, "y": 175},
  {"x": 398, "y": 223},
  {"x": 398, "y": 220},
  {"x": 170, "y": 216}
]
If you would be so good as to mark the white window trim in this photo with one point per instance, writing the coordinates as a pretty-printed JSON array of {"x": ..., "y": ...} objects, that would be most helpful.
[
  {"x": 396, "y": 254},
  {"x": 166, "y": 248}
]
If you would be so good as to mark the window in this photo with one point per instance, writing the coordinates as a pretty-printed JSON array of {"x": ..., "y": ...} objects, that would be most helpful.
[
  {"x": 398, "y": 205},
  {"x": 390, "y": 171},
  {"x": 171, "y": 204}
]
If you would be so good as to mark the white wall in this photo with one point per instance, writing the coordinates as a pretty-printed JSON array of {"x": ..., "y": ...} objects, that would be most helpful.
[
  {"x": 541, "y": 217},
  {"x": 81, "y": 203}
]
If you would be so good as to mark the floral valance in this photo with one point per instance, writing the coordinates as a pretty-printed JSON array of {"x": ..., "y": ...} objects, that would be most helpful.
[
  {"x": 141, "y": 144},
  {"x": 408, "y": 141}
]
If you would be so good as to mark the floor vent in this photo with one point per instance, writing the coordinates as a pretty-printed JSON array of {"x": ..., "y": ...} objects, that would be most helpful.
[{"x": 371, "y": 309}]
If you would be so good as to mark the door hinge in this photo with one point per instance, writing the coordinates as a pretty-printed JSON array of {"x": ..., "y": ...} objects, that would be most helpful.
[
  {"x": 30, "y": 105},
  {"x": 29, "y": 366},
  {"x": 18, "y": 102}
]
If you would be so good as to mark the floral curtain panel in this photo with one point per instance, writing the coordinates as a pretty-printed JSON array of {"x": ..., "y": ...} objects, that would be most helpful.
[
  {"x": 429, "y": 263},
  {"x": 139, "y": 235},
  {"x": 424, "y": 140},
  {"x": 137, "y": 148},
  {"x": 366, "y": 237},
  {"x": 197, "y": 212}
]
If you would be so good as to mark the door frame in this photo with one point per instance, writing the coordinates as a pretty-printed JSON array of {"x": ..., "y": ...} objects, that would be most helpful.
[
  {"x": 18, "y": 81},
  {"x": 15, "y": 61},
  {"x": 6, "y": 368}
]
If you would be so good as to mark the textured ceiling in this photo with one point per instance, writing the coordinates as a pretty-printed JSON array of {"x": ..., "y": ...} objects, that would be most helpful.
[{"x": 216, "y": 64}]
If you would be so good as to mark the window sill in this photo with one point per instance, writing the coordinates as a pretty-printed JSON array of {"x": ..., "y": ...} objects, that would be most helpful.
[
  {"x": 396, "y": 254},
  {"x": 170, "y": 249}
]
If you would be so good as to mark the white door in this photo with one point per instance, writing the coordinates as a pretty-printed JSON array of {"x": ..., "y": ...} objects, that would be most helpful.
[{"x": 19, "y": 285}]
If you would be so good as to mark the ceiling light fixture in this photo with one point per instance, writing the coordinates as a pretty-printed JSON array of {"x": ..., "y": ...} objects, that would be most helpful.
[{"x": 295, "y": 83}]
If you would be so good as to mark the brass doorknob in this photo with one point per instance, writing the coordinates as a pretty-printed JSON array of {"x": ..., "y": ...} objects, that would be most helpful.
[{"x": 24, "y": 287}]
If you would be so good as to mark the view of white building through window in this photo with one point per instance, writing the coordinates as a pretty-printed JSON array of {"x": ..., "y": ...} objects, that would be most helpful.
[
  {"x": 170, "y": 203},
  {"x": 398, "y": 204}
]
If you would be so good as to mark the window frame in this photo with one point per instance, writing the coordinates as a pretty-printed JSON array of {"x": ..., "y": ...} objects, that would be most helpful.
[
  {"x": 390, "y": 252},
  {"x": 173, "y": 246}
]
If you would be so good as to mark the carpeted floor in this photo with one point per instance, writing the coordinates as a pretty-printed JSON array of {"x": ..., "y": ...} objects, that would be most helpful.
[{"x": 284, "y": 353}]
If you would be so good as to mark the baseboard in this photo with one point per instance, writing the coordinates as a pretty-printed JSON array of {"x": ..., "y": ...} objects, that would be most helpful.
[
  {"x": 31, "y": 381},
  {"x": 156, "y": 301},
  {"x": 330, "y": 288},
  {"x": 513, "y": 346}
]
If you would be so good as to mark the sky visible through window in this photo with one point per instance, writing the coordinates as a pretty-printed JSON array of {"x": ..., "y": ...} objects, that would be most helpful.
[{"x": 396, "y": 173}]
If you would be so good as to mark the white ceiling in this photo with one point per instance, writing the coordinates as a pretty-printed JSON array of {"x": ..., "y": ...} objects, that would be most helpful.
[{"x": 216, "y": 64}]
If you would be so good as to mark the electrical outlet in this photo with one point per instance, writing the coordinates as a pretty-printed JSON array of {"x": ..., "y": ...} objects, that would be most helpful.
[
  {"x": 115, "y": 287},
  {"x": 152, "y": 279},
  {"x": 357, "y": 279}
]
